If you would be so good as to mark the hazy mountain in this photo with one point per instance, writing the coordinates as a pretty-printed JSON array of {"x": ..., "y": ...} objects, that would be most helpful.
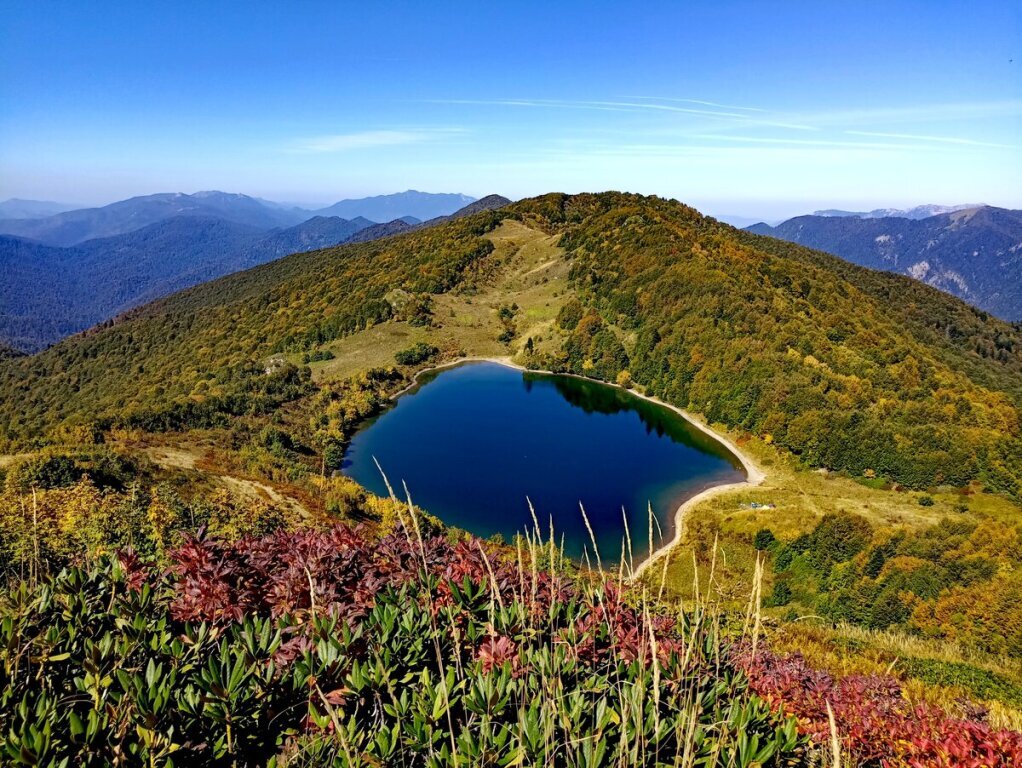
[
  {"x": 409, "y": 223},
  {"x": 49, "y": 293},
  {"x": 72, "y": 227},
  {"x": 317, "y": 232},
  {"x": 16, "y": 208},
  {"x": 420, "y": 205},
  {"x": 919, "y": 212},
  {"x": 974, "y": 253},
  {"x": 741, "y": 221},
  {"x": 488, "y": 203}
]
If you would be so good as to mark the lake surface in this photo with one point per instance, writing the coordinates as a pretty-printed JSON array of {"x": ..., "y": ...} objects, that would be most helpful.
[{"x": 473, "y": 441}]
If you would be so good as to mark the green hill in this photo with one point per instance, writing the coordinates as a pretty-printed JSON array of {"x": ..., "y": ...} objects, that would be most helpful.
[{"x": 848, "y": 368}]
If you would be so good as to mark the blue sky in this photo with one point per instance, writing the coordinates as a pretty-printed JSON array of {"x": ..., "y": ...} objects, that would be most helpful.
[{"x": 756, "y": 108}]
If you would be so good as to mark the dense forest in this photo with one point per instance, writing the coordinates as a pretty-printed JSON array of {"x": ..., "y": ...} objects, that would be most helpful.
[
  {"x": 957, "y": 579},
  {"x": 848, "y": 368}
]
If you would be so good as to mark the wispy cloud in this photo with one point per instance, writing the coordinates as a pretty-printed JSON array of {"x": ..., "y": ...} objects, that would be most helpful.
[
  {"x": 935, "y": 139},
  {"x": 536, "y": 103},
  {"x": 738, "y": 115},
  {"x": 911, "y": 113},
  {"x": 612, "y": 106},
  {"x": 697, "y": 101},
  {"x": 882, "y": 118},
  {"x": 348, "y": 142},
  {"x": 814, "y": 142}
]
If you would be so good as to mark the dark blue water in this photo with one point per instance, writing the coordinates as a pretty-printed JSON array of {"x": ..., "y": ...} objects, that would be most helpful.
[{"x": 472, "y": 442}]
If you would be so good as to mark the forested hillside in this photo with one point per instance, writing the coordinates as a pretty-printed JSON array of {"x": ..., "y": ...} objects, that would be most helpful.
[
  {"x": 837, "y": 363},
  {"x": 846, "y": 367}
]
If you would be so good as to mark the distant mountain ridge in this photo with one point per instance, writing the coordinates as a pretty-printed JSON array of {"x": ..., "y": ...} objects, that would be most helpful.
[
  {"x": 71, "y": 227},
  {"x": 420, "y": 205},
  {"x": 919, "y": 212},
  {"x": 52, "y": 292},
  {"x": 16, "y": 208},
  {"x": 972, "y": 253},
  {"x": 399, "y": 226}
]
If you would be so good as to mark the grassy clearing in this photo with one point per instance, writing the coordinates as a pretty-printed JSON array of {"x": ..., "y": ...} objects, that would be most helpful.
[{"x": 533, "y": 275}]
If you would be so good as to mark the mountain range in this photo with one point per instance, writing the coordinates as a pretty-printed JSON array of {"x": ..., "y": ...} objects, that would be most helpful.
[
  {"x": 71, "y": 227},
  {"x": 972, "y": 253},
  {"x": 411, "y": 204},
  {"x": 15, "y": 208},
  {"x": 918, "y": 212},
  {"x": 52, "y": 292},
  {"x": 837, "y": 363}
]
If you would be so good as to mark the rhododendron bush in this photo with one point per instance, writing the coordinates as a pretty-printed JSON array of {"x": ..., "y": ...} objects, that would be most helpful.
[
  {"x": 329, "y": 647},
  {"x": 876, "y": 724},
  {"x": 336, "y": 648}
]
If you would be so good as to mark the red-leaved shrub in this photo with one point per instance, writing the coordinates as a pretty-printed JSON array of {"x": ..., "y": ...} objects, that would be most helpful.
[{"x": 878, "y": 726}]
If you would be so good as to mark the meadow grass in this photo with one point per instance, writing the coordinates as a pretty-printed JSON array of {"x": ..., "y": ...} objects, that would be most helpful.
[{"x": 532, "y": 273}]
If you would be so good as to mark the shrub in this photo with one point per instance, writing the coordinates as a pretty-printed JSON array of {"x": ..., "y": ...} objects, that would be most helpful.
[
  {"x": 327, "y": 646},
  {"x": 415, "y": 354},
  {"x": 781, "y": 594},
  {"x": 839, "y": 537},
  {"x": 318, "y": 356},
  {"x": 569, "y": 315},
  {"x": 876, "y": 723},
  {"x": 45, "y": 472},
  {"x": 764, "y": 539}
]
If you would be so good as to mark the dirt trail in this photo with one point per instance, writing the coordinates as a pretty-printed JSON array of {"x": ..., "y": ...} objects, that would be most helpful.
[{"x": 187, "y": 456}]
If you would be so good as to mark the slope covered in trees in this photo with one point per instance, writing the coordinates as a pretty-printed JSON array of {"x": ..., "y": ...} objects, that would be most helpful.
[
  {"x": 848, "y": 368},
  {"x": 840, "y": 364}
]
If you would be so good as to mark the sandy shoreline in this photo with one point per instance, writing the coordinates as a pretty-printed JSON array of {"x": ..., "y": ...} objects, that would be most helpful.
[{"x": 753, "y": 475}]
